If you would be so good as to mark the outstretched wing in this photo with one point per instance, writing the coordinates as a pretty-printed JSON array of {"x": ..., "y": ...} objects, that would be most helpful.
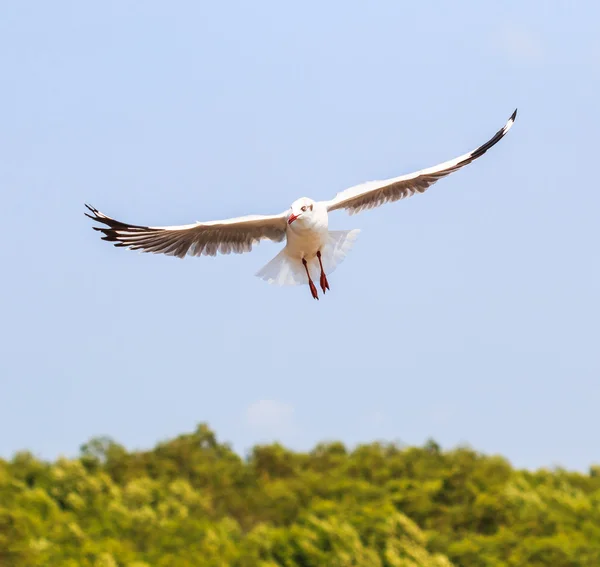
[
  {"x": 375, "y": 193},
  {"x": 235, "y": 235}
]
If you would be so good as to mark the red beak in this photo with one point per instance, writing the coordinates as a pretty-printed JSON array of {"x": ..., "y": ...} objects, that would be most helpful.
[{"x": 292, "y": 218}]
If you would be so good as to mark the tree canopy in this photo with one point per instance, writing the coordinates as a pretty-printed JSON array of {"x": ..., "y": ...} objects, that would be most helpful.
[{"x": 193, "y": 502}]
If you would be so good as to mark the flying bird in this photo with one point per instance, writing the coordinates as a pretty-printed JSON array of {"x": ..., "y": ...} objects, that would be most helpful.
[{"x": 311, "y": 249}]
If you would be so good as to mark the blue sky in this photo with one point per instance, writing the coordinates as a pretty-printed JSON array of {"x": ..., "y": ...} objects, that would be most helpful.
[{"x": 469, "y": 314}]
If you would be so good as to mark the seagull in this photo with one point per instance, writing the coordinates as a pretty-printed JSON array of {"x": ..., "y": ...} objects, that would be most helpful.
[{"x": 311, "y": 248}]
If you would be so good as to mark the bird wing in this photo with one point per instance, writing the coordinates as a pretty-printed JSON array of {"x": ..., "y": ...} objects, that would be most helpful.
[
  {"x": 235, "y": 235},
  {"x": 375, "y": 193}
]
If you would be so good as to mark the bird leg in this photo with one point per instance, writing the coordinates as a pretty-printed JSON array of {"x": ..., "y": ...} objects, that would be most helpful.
[
  {"x": 313, "y": 289},
  {"x": 324, "y": 283}
]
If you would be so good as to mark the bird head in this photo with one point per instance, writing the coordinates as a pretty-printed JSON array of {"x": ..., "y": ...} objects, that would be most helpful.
[{"x": 301, "y": 209}]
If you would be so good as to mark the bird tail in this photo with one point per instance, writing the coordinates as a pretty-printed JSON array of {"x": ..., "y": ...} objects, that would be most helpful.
[{"x": 287, "y": 270}]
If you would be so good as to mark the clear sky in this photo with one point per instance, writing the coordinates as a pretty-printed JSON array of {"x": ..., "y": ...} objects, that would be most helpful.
[{"x": 469, "y": 314}]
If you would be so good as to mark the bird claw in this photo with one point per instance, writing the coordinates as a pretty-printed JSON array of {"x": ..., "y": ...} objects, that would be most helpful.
[
  {"x": 313, "y": 290},
  {"x": 324, "y": 283}
]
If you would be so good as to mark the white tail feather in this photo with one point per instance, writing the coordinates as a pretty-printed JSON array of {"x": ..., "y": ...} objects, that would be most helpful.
[{"x": 287, "y": 270}]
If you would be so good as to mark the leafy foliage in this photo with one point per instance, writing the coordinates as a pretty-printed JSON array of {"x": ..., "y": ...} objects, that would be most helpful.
[{"x": 193, "y": 502}]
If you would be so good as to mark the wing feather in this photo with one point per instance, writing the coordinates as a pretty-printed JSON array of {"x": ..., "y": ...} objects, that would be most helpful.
[
  {"x": 235, "y": 235},
  {"x": 375, "y": 193}
]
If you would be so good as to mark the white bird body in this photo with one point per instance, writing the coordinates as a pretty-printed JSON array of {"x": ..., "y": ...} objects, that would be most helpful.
[
  {"x": 308, "y": 239},
  {"x": 307, "y": 234},
  {"x": 310, "y": 249}
]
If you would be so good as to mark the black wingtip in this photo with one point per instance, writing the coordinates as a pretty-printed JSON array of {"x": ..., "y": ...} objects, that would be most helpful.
[{"x": 514, "y": 115}]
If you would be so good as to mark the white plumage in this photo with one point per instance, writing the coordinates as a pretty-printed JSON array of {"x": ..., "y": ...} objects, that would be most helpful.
[{"x": 311, "y": 248}]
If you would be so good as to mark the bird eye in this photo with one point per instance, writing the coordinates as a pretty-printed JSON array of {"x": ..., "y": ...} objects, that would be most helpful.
[{"x": 303, "y": 209}]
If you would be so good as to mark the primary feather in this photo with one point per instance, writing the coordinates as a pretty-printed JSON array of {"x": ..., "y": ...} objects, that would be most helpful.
[
  {"x": 235, "y": 235},
  {"x": 376, "y": 193}
]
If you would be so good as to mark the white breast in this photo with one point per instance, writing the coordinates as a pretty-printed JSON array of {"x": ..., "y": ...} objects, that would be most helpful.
[{"x": 307, "y": 235}]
